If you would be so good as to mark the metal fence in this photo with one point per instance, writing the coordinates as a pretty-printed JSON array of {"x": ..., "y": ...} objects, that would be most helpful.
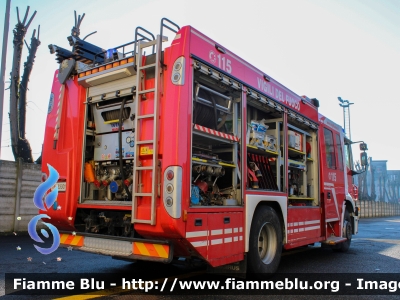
[{"x": 374, "y": 209}]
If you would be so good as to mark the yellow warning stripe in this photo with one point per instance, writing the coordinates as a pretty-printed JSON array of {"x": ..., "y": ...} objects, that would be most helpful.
[
  {"x": 161, "y": 251},
  {"x": 63, "y": 237},
  {"x": 75, "y": 241},
  {"x": 69, "y": 239},
  {"x": 152, "y": 250},
  {"x": 142, "y": 249}
]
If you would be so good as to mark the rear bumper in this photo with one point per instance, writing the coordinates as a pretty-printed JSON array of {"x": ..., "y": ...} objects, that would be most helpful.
[{"x": 122, "y": 247}]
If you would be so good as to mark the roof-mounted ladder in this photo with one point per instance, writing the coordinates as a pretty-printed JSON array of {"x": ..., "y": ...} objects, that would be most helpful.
[{"x": 151, "y": 145}]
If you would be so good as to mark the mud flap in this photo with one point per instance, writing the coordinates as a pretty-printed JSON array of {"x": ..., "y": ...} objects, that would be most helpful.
[{"x": 236, "y": 269}]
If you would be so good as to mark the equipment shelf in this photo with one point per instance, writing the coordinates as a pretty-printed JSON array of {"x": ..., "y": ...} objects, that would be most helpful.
[
  {"x": 295, "y": 151},
  {"x": 300, "y": 198},
  {"x": 212, "y": 163},
  {"x": 254, "y": 149}
]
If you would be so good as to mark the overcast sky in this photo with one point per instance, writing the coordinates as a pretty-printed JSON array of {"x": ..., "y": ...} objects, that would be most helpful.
[{"x": 322, "y": 49}]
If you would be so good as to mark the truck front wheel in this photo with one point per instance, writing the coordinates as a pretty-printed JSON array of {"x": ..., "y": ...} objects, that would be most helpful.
[
  {"x": 265, "y": 243},
  {"x": 347, "y": 232}
]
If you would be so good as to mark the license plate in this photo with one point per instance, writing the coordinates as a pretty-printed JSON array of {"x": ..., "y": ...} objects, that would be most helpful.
[{"x": 62, "y": 186}]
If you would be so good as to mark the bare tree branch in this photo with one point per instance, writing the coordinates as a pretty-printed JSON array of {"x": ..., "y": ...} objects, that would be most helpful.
[
  {"x": 18, "y": 88},
  {"x": 27, "y": 45},
  {"x": 19, "y": 21},
  {"x": 30, "y": 20},
  {"x": 26, "y": 15}
]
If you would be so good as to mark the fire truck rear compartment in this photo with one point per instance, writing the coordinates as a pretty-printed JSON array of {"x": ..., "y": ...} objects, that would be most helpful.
[
  {"x": 111, "y": 181},
  {"x": 105, "y": 205}
]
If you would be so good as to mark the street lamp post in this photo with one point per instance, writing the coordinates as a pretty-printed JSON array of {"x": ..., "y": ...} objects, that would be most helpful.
[
  {"x": 346, "y": 109},
  {"x": 3, "y": 64}
]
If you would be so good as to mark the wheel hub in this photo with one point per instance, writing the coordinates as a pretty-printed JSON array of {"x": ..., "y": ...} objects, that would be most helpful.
[{"x": 267, "y": 243}]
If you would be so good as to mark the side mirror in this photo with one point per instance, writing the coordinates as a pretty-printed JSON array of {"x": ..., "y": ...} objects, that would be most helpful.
[
  {"x": 363, "y": 158},
  {"x": 363, "y": 147}
]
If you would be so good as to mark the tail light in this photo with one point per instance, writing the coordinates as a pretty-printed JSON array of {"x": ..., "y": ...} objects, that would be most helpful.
[
  {"x": 178, "y": 71},
  {"x": 169, "y": 175},
  {"x": 172, "y": 193}
]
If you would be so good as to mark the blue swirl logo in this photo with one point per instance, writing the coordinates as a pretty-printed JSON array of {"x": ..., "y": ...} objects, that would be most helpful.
[{"x": 44, "y": 202}]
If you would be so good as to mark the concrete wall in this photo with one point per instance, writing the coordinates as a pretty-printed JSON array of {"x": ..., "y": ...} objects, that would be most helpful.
[{"x": 18, "y": 182}]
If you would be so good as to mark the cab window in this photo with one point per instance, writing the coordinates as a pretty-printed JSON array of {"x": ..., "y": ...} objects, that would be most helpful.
[
  {"x": 339, "y": 151},
  {"x": 347, "y": 153},
  {"x": 329, "y": 149}
]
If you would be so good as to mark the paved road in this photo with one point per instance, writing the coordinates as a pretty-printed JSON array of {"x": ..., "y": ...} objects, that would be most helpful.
[{"x": 376, "y": 249}]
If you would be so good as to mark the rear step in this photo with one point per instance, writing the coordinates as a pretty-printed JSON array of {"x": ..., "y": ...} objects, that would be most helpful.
[{"x": 334, "y": 240}]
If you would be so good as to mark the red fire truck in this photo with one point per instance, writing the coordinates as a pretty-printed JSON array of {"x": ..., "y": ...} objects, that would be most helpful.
[{"x": 188, "y": 151}]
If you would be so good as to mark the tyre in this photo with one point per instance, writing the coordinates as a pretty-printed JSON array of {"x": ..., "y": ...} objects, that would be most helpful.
[
  {"x": 265, "y": 243},
  {"x": 347, "y": 232}
]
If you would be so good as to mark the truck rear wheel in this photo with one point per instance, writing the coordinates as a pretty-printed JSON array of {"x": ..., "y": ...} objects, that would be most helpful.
[{"x": 265, "y": 243}]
